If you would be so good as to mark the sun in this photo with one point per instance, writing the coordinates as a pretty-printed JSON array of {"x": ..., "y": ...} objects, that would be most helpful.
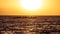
[{"x": 31, "y": 4}]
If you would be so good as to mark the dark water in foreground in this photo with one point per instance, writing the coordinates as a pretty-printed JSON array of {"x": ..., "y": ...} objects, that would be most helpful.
[{"x": 29, "y": 25}]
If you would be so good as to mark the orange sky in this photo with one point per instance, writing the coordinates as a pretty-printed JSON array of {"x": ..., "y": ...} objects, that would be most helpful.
[{"x": 12, "y": 7}]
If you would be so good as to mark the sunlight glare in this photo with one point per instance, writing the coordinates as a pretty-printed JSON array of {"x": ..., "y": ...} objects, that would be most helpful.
[{"x": 31, "y": 4}]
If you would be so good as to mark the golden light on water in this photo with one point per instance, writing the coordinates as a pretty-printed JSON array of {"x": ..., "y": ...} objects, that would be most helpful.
[{"x": 29, "y": 7}]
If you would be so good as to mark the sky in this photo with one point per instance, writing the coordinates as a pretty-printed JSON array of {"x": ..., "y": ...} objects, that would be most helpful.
[{"x": 12, "y": 7}]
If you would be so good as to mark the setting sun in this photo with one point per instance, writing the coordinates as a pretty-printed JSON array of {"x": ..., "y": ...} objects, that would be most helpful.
[{"x": 31, "y": 4}]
